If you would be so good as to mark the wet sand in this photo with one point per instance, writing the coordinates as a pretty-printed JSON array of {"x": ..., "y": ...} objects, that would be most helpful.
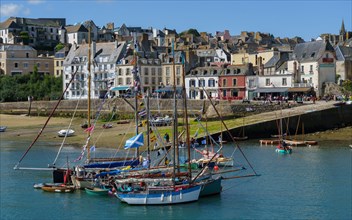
[{"x": 24, "y": 128}]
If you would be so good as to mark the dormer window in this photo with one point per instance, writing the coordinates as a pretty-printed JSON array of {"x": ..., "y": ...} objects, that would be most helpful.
[{"x": 312, "y": 55}]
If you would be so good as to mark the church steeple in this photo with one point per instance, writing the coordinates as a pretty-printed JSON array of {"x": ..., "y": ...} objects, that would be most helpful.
[
  {"x": 342, "y": 36},
  {"x": 342, "y": 30}
]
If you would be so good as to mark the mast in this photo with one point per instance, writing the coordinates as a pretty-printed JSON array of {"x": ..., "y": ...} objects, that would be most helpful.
[
  {"x": 136, "y": 86},
  {"x": 175, "y": 136},
  {"x": 89, "y": 84},
  {"x": 188, "y": 144},
  {"x": 148, "y": 129}
]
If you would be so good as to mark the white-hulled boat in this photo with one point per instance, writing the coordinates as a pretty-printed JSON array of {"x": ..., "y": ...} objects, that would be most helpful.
[
  {"x": 66, "y": 132},
  {"x": 162, "y": 195}
]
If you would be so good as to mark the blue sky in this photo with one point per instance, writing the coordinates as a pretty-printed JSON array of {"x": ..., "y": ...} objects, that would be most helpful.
[{"x": 282, "y": 18}]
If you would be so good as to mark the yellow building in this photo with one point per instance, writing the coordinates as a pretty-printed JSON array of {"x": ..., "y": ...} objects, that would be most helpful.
[
  {"x": 21, "y": 59},
  {"x": 261, "y": 57}
]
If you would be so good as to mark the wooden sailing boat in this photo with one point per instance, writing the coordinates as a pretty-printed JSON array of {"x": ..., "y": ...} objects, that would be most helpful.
[
  {"x": 282, "y": 147},
  {"x": 242, "y": 135},
  {"x": 172, "y": 190}
]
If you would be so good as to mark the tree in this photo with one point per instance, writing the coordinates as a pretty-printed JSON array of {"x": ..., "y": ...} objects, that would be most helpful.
[
  {"x": 25, "y": 37},
  {"x": 347, "y": 84},
  {"x": 59, "y": 47}
]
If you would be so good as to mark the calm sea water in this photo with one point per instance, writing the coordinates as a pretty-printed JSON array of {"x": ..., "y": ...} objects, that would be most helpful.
[{"x": 312, "y": 183}]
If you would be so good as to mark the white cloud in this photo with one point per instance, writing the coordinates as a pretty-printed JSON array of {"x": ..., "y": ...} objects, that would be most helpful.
[
  {"x": 35, "y": 2},
  {"x": 11, "y": 9}
]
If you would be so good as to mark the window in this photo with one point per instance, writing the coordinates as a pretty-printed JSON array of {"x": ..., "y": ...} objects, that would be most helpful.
[
  {"x": 146, "y": 80},
  {"x": 153, "y": 71},
  {"x": 57, "y": 63},
  {"x": 224, "y": 82},
  {"x": 267, "y": 82},
  {"x": 25, "y": 65},
  {"x": 167, "y": 71},
  {"x": 16, "y": 65},
  {"x": 211, "y": 83},
  {"x": 234, "y": 93},
  {"x": 302, "y": 69},
  {"x": 251, "y": 83},
  {"x": 27, "y": 55},
  {"x": 146, "y": 71},
  {"x": 311, "y": 68},
  {"x": 159, "y": 72},
  {"x": 192, "y": 83},
  {"x": 178, "y": 81},
  {"x": 38, "y": 65},
  {"x": 47, "y": 65},
  {"x": 178, "y": 71},
  {"x": 234, "y": 82},
  {"x": 128, "y": 71},
  {"x": 284, "y": 81},
  {"x": 201, "y": 83},
  {"x": 120, "y": 72}
]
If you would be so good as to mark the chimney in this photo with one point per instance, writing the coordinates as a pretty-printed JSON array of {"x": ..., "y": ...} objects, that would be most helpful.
[
  {"x": 295, "y": 72},
  {"x": 94, "y": 48}
]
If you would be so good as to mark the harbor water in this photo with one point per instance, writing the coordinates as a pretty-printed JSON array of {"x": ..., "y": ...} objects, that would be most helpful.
[{"x": 311, "y": 183}]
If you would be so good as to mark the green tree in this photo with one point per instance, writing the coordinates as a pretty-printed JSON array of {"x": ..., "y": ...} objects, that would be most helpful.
[
  {"x": 25, "y": 37},
  {"x": 347, "y": 84},
  {"x": 19, "y": 87},
  {"x": 59, "y": 47}
]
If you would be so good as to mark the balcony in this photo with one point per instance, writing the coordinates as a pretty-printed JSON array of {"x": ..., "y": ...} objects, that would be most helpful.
[{"x": 303, "y": 85}]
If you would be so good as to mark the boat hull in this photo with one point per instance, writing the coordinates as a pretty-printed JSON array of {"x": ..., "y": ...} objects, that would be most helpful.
[
  {"x": 58, "y": 189},
  {"x": 210, "y": 187},
  {"x": 283, "y": 151},
  {"x": 161, "y": 198},
  {"x": 113, "y": 164},
  {"x": 97, "y": 191}
]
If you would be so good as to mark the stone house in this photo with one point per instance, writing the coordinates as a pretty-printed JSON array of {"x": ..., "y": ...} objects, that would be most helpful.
[{"x": 21, "y": 59}]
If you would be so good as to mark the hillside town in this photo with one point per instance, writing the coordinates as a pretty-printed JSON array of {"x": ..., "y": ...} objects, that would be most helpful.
[{"x": 245, "y": 66}]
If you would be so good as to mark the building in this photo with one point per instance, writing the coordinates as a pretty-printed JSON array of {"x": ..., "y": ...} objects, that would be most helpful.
[
  {"x": 343, "y": 63},
  {"x": 42, "y": 32},
  {"x": 105, "y": 57},
  {"x": 232, "y": 81},
  {"x": 22, "y": 59},
  {"x": 202, "y": 81},
  {"x": 313, "y": 63}
]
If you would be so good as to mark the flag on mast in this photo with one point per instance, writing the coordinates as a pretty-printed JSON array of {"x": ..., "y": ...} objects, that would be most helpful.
[{"x": 135, "y": 141}]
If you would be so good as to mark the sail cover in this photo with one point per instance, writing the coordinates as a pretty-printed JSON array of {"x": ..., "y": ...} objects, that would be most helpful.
[{"x": 135, "y": 141}]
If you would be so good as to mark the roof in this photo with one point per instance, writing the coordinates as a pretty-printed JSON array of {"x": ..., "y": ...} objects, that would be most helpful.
[
  {"x": 311, "y": 51},
  {"x": 299, "y": 89},
  {"x": 119, "y": 88},
  {"x": 76, "y": 28},
  {"x": 9, "y": 24},
  {"x": 272, "y": 62},
  {"x": 17, "y": 47},
  {"x": 112, "y": 50},
  {"x": 273, "y": 89}
]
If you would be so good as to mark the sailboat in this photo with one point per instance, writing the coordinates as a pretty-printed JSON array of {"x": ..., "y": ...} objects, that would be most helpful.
[
  {"x": 282, "y": 147},
  {"x": 242, "y": 135},
  {"x": 84, "y": 175},
  {"x": 164, "y": 191}
]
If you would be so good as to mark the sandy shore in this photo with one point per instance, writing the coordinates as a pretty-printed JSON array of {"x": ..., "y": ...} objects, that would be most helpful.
[{"x": 24, "y": 128}]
